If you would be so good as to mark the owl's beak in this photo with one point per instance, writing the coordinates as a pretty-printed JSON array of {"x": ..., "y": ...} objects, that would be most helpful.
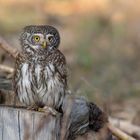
[{"x": 44, "y": 44}]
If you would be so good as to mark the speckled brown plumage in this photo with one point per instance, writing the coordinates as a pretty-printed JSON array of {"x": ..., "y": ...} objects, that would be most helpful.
[{"x": 40, "y": 73}]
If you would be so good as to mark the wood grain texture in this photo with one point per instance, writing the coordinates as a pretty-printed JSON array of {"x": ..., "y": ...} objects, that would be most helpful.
[{"x": 21, "y": 124}]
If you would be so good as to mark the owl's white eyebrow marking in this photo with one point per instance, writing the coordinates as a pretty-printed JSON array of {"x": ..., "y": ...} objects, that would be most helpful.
[
  {"x": 39, "y": 34},
  {"x": 49, "y": 35}
]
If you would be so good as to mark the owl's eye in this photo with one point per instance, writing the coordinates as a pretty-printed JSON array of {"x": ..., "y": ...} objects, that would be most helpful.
[
  {"x": 36, "y": 38},
  {"x": 50, "y": 38}
]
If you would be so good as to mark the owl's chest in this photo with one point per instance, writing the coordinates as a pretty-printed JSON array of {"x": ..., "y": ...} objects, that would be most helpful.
[
  {"x": 37, "y": 74},
  {"x": 40, "y": 84}
]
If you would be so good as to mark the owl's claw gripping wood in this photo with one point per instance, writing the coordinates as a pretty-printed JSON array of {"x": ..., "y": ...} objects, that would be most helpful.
[
  {"x": 35, "y": 108},
  {"x": 48, "y": 109},
  {"x": 45, "y": 109}
]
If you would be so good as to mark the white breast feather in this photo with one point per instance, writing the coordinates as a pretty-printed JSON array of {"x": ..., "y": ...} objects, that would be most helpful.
[
  {"x": 25, "y": 83},
  {"x": 53, "y": 92},
  {"x": 37, "y": 72}
]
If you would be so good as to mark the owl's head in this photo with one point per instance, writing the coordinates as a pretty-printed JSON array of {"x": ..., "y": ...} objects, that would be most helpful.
[{"x": 41, "y": 37}]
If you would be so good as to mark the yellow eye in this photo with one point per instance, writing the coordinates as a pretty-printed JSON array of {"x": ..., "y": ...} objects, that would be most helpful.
[
  {"x": 50, "y": 38},
  {"x": 36, "y": 38}
]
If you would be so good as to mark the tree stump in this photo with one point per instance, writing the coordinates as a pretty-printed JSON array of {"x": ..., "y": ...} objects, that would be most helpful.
[{"x": 22, "y": 124}]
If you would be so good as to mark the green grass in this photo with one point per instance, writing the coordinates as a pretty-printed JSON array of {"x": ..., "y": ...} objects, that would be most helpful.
[{"x": 105, "y": 66}]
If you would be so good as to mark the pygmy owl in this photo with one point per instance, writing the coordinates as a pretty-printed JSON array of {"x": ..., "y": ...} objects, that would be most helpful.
[{"x": 40, "y": 73}]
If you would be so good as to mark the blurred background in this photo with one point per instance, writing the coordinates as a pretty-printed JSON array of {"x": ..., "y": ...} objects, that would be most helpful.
[{"x": 101, "y": 42}]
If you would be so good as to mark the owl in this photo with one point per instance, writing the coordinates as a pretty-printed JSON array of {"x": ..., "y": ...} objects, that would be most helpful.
[{"x": 40, "y": 77}]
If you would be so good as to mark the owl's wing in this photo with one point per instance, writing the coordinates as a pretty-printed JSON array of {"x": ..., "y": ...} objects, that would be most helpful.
[
  {"x": 17, "y": 73},
  {"x": 61, "y": 67}
]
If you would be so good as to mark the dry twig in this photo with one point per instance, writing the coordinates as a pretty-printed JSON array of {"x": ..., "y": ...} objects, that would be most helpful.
[
  {"x": 10, "y": 50},
  {"x": 6, "y": 69},
  {"x": 125, "y": 126},
  {"x": 118, "y": 133}
]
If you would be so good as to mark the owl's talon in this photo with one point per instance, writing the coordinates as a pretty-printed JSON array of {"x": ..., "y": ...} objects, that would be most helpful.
[
  {"x": 48, "y": 109},
  {"x": 35, "y": 108},
  {"x": 41, "y": 109},
  {"x": 44, "y": 109}
]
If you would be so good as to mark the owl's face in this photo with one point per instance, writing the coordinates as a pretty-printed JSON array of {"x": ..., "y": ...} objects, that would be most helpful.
[{"x": 40, "y": 37}]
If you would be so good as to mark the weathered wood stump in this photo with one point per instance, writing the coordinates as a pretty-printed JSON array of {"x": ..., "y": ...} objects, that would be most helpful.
[{"x": 21, "y": 124}]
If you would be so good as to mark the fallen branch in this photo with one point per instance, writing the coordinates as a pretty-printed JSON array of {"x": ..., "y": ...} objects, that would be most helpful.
[
  {"x": 125, "y": 126},
  {"x": 118, "y": 133},
  {"x": 6, "y": 69},
  {"x": 10, "y": 50}
]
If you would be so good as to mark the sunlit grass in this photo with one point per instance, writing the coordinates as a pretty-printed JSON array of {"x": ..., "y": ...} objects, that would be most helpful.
[{"x": 16, "y": 17}]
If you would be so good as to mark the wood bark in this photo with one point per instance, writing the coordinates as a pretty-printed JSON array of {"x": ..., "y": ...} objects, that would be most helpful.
[{"x": 21, "y": 124}]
